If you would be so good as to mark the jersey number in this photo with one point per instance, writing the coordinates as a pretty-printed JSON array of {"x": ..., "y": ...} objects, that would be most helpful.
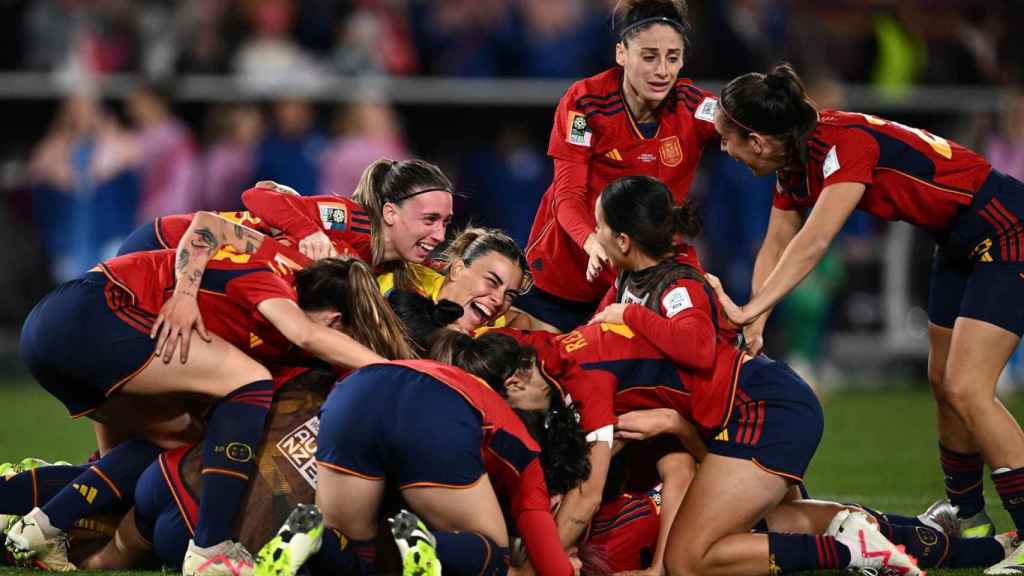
[{"x": 940, "y": 145}]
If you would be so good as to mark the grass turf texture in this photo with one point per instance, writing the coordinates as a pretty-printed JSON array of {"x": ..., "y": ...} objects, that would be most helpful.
[{"x": 879, "y": 449}]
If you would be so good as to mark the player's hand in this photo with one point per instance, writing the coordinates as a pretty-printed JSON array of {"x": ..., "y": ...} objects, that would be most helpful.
[
  {"x": 598, "y": 258},
  {"x": 644, "y": 424},
  {"x": 316, "y": 246},
  {"x": 270, "y": 184},
  {"x": 753, "y": 336},
  {"x": 173, "y": 327},
  {"x": 733, "y": 312},
  {"x": 611, "y": 314}
]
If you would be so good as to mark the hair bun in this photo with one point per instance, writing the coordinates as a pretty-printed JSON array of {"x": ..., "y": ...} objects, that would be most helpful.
[{"x": 445, "y": 312}]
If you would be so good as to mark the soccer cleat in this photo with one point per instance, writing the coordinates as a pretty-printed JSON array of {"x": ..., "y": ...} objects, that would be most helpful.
[
  {"x": 298, "y": 539},
  {"x": 941, "y": 516},
  {"x": 870, "y": 551},
  {"x": 416, "y": 544},
  {"x": 1012, "y": 564},
  {"x": 29, "y": 546},
  {"x": 977, "y": 526},
  {"x": 1009, "y": 541},
  {"x": 229, "y": 558}
]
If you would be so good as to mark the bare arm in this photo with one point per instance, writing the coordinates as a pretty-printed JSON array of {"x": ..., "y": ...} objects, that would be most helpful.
[
  {"x": 783, "y": 225},
  {"x": 522, "y": 320},
  {"x": 332, "y": 346},
  {"x": 801, "y": 255},
  {"x": 180, "y": 313},
  {"x": 123, "y": 552},
  {"x": 581, "y": 503}
]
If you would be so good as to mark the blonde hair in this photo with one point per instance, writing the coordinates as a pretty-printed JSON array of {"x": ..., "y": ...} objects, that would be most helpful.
[{"x": 473, "y": 242}]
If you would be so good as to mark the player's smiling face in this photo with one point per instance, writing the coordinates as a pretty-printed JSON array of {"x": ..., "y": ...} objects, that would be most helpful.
[
  {"x": 651, "y": 59},
  {"x": 762, "y": 154},
  {"x": 527, "y": 390},
  {"x": 417, "y": 225},
  {"x": 485, "y": 288}
]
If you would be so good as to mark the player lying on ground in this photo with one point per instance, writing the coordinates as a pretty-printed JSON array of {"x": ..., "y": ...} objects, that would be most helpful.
[
  {"x": 255, "y": 298},
  {"x": 829, "y": 163}
]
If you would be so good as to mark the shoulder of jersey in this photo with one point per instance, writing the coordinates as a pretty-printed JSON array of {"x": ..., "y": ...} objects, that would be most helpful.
[
  {"x": 696, "y": 100},
  {"x": 597, "y": 95}
]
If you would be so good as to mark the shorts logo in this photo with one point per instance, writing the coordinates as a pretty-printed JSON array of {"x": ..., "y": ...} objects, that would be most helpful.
[
  {"x": 671, "y": 151},
  {"x": 333, "y": 216},
  {"x": 981, "y": 250},
  {"x": 239, "y": 452},
  {"x": 299, "y": 447},
  {"x": 579, "y": 132}
]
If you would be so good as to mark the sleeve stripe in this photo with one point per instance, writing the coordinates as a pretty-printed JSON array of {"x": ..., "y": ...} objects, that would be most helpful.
[
  {"x": 612, "y": 112},
  {"x": 595, "y": 97}
]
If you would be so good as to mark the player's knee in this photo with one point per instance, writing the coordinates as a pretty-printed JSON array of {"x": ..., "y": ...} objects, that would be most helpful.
[
  {"x": 964, "y": 396},
  {"x": 685, "y": 557},
  {"x": 936, "y": 379}
]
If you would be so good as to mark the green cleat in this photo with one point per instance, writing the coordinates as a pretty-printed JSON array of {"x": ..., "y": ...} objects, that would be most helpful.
[
  {"x": 416, "y": 544},
  {"x": 299, "y": 538},
  {"x": 977, "y": 526}
]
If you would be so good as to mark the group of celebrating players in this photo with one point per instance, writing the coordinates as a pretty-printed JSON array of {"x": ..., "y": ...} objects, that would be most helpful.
[{"x": 593, "y": 403}]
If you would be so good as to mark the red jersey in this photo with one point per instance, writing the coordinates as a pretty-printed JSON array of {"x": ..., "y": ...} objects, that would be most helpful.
[
  {"x": 624, "y": 532},
  {"x": 594, "y": 141},
  {"x": 910, "y": 174},
  {"x": 512, "y": 460},
  {"x": 592, "y": 392},
  {"x": 344, "y": 221},
  {"x": 232, "y": 286}
]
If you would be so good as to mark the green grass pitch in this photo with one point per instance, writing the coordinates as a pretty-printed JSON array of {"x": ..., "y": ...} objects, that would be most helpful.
[{"x": 879, "y": 448}]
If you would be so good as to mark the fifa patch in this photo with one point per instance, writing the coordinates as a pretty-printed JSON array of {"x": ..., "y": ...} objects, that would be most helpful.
[
  {"x": 579, "y": 132},
  {"x": 831, "y": 163},
  {"x": 677, "y": 300},
  {"x": 706, "y": 110},
  {"x": 299, "y": 447},
  {"x": 671, "y": 151},
  {"x": 333, "y": 216}
]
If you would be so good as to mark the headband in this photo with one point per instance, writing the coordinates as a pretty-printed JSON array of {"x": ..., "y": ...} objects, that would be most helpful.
[
  {"x": 660, "y": 19},
  {"x": 721, "y": 107},
  {"x": 418, "y": 192}
]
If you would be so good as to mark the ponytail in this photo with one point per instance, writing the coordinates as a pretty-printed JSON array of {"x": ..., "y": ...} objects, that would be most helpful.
[
  {"x": 642, "y": 208},
  {"x": 423, "y": 319},
  {"x": 563, "y": 446}
]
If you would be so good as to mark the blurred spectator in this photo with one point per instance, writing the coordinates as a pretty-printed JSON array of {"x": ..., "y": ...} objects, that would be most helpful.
[
  {"x": 170, "y": 183},
  {"x": 375, "y": 38},
  {"x": 458, "y": 37},
  {"x": 901, "y": 51},
  {"x": 229, "y": 163},
  {"x": 366, "y": 131},
  {"x": 1005, "y": 148},
  {"x": 83, "y": 188},
  {"x": 270, "y": 57},
  {"x": 205, "y": 38},
  {"x": 563, "y": 39},
  {"x": 71, "y": 35},
  {"x": 291, "y": 152},
  {"x": 744, "y": 35}
]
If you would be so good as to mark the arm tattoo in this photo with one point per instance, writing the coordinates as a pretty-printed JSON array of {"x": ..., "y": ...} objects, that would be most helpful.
[
  {"x": 239, "y": 231},
  {"x": 183, "y": 258},
  {"x": 206, "y": 240},
  {"x": 250, "y": 248}
]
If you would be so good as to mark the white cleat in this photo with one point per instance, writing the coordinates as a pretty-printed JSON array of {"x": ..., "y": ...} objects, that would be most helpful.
[
  {"x": 30, "y": 546},
  {"x": 229, "y": 558},
  {"x": 869, "y": 549}
]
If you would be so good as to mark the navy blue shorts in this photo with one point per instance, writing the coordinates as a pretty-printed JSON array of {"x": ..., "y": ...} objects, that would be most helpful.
[
  {"x": 84, "y": 340},
  {"x": 143, "y": 239},
  {"x": 978, "y": 271},
  {"x": 776, "y": 420},
  {"x": 566, "y": 315},
  {"x": 391, "y": 422},
  {"x": 158, "y": 518}
]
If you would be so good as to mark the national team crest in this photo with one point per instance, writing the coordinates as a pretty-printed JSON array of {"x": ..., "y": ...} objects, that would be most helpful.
[
  {"x": 334, "y": 216},
  {"x": 671, "y": 151}
]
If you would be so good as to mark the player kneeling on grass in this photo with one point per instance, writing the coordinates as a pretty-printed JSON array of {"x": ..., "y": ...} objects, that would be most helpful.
[
  {"x": 451, "y": 443},
  {"x": 256, "y": 298}
]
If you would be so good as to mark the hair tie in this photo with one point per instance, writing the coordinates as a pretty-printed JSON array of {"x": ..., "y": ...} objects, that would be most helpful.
[{"x": 681, "y": 27}]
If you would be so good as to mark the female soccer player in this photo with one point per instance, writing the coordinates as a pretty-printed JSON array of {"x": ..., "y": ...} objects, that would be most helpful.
[
  {"x": 761, "y": 423},
  {"x": 257, "y": 299},
  {"x": 398, "y": 213},
  {"x": 636, "y": 118},
  {"x": 452, "y": 445},
  {"x": 829, "y": 163},
  {"x": 485, "y": 272}
]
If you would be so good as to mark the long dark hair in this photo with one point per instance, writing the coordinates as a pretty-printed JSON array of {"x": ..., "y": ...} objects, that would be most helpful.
[
  {"x": 773, "y": 104},
  {"x": 394, "y": 181},
  {"x": 422, "y": 317},
  {"x": 630, "y": 17},
  {"x": 348, "y": 286},
  {"x": 563, "y": 446},
  {"x": 492, "y": 357},
  {"x": 643, "y": 208}
]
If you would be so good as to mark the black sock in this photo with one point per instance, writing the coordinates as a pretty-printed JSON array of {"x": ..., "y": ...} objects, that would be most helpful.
[
  {"x": 893, "y": 519},
  {"x": 339, "y": 555},
  {"x": 1010, "y": 486},
  {"x": 233, "y": 436},
  {"x": 105, "y": 483},
  {"x": 933, "y": 549},
  {"x": 798, "y": 552},
  {"x": 22, "y": 492},
  {"x": 963, "y": 474},
  {"x": 470, "y": 554}
]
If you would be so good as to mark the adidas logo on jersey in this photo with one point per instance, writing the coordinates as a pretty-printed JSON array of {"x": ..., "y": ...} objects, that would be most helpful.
[{"x": 614, "y": 154}]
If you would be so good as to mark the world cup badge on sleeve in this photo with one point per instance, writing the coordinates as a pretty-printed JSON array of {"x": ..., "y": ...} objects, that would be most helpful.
[
  {"x": 333, "y": 215},
  {"x": 579, "y": 132},
  {"x": 671, "y": 151}
]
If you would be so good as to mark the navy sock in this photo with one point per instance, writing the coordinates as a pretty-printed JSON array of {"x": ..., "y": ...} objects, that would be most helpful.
[
  {"x": 23, "y": 492},
  {"x": 1010, "y": 486},
  {"x": 963, "y": 474},
  {"x": 233, "y": 436},
  {"x": 799, "y": 552},
  {"x": 933, "y": 549},
  {"x": 339, "y": 555},
  {"x": 107, "y": 482},
  {"x": 893, "y": 519},
  {"x": 470, "y": 554}
]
